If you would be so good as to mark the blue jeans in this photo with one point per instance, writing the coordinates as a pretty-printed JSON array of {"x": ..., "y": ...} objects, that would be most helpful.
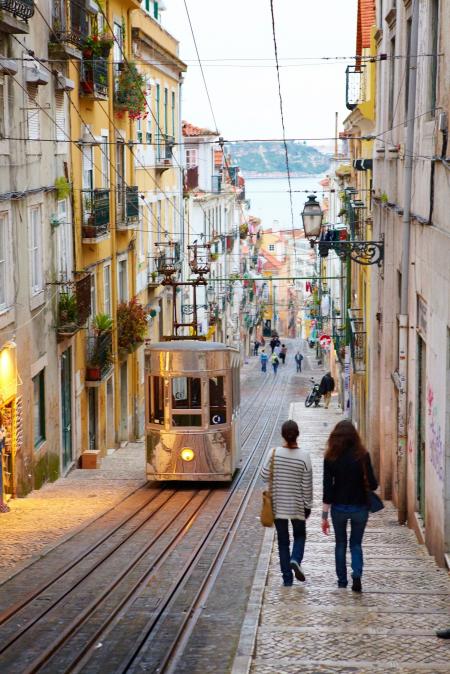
[
  {"x": 298, "y": 548},
  {"x": 358, "y": 520}
]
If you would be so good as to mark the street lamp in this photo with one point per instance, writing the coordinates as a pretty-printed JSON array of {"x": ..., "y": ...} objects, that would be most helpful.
[
  {"x": 312, "y": 219},
  {"x": 361, "y": 252},
  {"x": 210, "y": 293}
]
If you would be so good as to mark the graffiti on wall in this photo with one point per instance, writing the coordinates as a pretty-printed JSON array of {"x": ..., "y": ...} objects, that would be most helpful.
[{"x": 436, "y": 443}]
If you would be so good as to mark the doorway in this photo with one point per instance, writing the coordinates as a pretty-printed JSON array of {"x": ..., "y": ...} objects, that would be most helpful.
[
  {"x": 124, "y": 401},
  {"x": 66, "y": 407},
  {"x": 92, "y": 413},
  {"x": 420, "y": 428},
  {"x": 110, "y": 422}
]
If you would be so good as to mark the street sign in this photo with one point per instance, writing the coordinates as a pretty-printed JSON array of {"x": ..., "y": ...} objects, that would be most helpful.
[{"x": 325, "y": 341}]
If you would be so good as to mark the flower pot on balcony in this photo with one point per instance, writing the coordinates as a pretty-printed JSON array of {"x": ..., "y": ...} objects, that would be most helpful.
[
  {"x": 89, "y": 232},
  {"x": 87, "y": 86},
  {"x": 93, "y": 373},
  {"x": 88, "y": 52}
]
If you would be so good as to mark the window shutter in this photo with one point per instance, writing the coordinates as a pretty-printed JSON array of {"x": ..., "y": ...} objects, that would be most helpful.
[
  {"x": 33, "y": 120},
  {"x": 2, "y": 107},
  {"x": 60, "y": 116}
]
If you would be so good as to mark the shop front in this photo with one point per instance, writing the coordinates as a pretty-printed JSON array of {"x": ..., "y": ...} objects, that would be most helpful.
[{"x": 11, "y": 431}]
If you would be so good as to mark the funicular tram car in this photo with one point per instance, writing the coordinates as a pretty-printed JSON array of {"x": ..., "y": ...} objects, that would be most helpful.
[{"x": 192, "y": 410}]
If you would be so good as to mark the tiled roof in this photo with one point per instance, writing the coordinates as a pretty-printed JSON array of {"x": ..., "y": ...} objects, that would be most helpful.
[
  {"x": 189, "y": 130},
  {"x": 366, "y": 19}
]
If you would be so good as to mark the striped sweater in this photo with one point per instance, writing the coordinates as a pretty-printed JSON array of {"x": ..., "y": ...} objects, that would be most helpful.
[{"x": 292, "y": 489}]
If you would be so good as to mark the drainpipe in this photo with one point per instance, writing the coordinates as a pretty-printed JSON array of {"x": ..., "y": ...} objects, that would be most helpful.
[{"x": 401, "y": 379}]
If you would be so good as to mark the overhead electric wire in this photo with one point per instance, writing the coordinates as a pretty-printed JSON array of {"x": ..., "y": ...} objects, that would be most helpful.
[{"x": 282, "y": 118}]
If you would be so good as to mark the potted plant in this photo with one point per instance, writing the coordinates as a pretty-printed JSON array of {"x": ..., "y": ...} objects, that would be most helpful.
[
  {"x": 130, "y": 91},
  {"x": 214, "y": 257},
  {"x": 154, "y": 276},
  {"x": 67, "y": 313},
  {"x": 131, "y": 325},
  {"x": 106, "y": 43},
  {"x": 243, "y": 231},
  {"x": 101, "y": 356}
]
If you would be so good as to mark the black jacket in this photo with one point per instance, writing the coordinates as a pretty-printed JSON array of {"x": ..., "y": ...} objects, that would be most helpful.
[
  {"x": 326, "y": 384},
  {"x": 343, "y": 480}
]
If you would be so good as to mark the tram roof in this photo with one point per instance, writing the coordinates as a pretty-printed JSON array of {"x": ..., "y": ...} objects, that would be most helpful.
[{"x": 189, "y": 345}]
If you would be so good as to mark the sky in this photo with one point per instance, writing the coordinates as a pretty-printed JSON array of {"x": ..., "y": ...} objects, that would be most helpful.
[{"x": 244, "y": 95}]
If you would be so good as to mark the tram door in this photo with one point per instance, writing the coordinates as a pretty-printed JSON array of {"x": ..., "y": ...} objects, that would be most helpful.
[{"x": 66, "y": 407}]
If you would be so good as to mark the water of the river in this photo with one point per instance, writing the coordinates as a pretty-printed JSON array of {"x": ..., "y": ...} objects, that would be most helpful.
[{"x": 269, "y": 199}]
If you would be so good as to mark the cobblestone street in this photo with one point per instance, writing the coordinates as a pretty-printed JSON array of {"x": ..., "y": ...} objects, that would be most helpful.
[{"x": 315, "y": 627}]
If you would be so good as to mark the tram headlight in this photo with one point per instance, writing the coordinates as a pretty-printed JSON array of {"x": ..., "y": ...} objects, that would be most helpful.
[{"x": 187, "y": 454}]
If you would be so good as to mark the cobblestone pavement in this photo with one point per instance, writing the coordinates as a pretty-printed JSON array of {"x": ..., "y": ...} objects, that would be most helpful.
[
  {"x": 59, "y": 509},
  {"x": 315, "y": 627}
]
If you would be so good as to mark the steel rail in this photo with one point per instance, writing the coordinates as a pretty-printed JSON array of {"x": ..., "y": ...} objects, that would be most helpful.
[
  {"x": 14, "y": 608},
  {"x": 45, "y": 655},
  {"x": 24, "y": 628}
]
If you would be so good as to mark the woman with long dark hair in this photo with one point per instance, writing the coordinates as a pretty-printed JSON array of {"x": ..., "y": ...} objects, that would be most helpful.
[
  {"x": 288, "y": 469},
  {"x": 347, "y": 477}
]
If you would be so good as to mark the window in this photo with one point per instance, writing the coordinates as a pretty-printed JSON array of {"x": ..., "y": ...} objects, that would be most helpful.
[
  {"x": 173, "y": 114},
  {"x": 140, "y": 233},
  {"x": 60, "y": 116},
  {"x": 271, "y": 247},
  {"x": 39, "y": 408},
  {"x": 157, "y": 400},
  {"x": 148, "y": 100},
  {"x": 93, "y": 297},
  {"x": 217, "y": 401},
  {"x": 433, "y": 60},
  {"x": 3, "y": 99},
  {"x": 104, "y": 150},
  {"x": 120, "y": 179},
  {"x": 191, "y": 157},
  {"x": 107, "y": 288},
  {"x": 139, "y": 130},
  {"x": 35, "y": 239},
  {"x": 158, "y": 128},
  {"x": 4, "y": 272},
  {"x": 391, "y": 84},
  {"x": 64, "y": 259},
  {"x": 33, "y": 113},
  {"x": 88, "y": 167},
  {"x": 186, "y": 396},
  {"x": 166, "y": 125},
  {"x": 156, "y": 10},
  {"x": 118, "y": 45},
  {"x": 122, "y": 281},
  {"x": 158, "y": 220}
]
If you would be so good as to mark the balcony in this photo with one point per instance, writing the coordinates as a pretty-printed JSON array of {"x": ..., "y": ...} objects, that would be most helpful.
[
  {"x": 74, "y": 307},
  {"x": 95, "y": 215},
  {"x": 163, "y": 152},
  {"x": 70, "y": 28},
  {"x": 14, "y": 14},
  {"x": 127, "y": 207},
  {"x": 99, "y": 359},
  {"x": 94, "y": 78},
  {"x": 357, "y": 340}
]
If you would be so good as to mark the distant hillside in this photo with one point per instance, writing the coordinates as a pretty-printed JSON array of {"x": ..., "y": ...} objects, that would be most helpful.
[{"x": 269, "y": 157}]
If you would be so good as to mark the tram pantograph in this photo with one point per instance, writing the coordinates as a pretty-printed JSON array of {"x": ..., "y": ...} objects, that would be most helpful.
[{"x": 192, "y": 410}]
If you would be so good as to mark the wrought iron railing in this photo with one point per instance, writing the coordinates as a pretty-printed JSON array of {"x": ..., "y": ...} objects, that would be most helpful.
[
  {"x": 24, "y": 9},
  {"x": 94, "y": 76},
  {"x": 357, "y": 340},
  {"x": 69, "y": 22},
  {"x": 95, "y": 213},
  {"x": 74, "y": 306},
  {"x": 127, "y": 205},
  {"x": 164, "y": 149},
  {"x": 99, "y": 355}
]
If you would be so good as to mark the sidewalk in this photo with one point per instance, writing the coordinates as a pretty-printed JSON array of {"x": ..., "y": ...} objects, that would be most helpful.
[{"x": 315, "y": 627}]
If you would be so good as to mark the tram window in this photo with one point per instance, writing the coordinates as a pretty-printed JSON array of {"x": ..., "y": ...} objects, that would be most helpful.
[
  {"x": 186, "y": 420},
  {"x": 157, "y": 405},
  {"x": 217, "y": 401},
  {"x": 186, "y": 393}
]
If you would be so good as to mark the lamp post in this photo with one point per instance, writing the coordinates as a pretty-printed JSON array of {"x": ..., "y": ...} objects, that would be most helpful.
[{"x": 361, "y": 252}]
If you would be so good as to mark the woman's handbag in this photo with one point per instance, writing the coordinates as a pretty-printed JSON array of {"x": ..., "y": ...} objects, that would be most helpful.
[
  {"x": 267, "y": 518},
  {"x": 374, "y": 502}
]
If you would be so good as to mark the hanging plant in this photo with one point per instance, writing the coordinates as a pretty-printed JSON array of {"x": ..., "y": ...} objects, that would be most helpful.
[
  {"x": 131, "y": 324},
  {"x": 130, "y": 91},
  {"x": 62, "y": 187}
]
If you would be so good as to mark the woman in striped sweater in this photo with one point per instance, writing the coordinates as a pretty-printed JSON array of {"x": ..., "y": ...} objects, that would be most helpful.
[{"x": 291, "y": 498}]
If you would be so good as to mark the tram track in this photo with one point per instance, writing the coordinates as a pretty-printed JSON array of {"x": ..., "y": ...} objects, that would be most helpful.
[{"x": 48, "y": 660}]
